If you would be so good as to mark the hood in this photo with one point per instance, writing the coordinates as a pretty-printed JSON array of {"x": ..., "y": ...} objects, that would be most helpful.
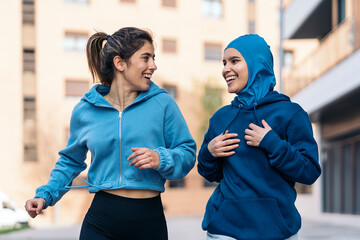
[
  {"x": 97, "y": 92},
  {"x": 259, "y": 59}
]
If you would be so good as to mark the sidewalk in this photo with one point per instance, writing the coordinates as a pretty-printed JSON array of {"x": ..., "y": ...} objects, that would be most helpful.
[{"x": 189, "y": 228}]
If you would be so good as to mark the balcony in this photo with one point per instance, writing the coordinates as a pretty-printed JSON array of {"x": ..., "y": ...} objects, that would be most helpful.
[{"x": 335, "y": 47}]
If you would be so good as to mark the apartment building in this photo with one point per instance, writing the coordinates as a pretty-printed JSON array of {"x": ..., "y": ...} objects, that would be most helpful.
[
  {"x": 43, "y": 74},
  {"x": 321, "y": 64}
]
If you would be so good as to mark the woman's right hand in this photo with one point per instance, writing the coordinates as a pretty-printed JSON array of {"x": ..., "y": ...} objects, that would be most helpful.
[
  {"x": 34, "y": 206},
  {"x": 224, "y": 144}
]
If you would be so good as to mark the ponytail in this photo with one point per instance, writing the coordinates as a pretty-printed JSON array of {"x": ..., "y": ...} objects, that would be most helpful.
[{"x": 94, "y": 54}]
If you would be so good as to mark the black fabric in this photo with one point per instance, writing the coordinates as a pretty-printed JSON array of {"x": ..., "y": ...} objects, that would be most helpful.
[{"x": 112, "y": 217}]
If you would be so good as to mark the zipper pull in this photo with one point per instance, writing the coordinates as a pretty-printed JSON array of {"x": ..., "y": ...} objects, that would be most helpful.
[{"x": 120, "y": 115}]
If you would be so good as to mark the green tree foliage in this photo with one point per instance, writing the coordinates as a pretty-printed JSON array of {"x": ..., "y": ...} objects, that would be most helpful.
[{"x": 212, "y": 100}]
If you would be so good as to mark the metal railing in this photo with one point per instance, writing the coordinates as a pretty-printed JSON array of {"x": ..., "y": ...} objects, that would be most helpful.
[{"x": 335, "y": 47}]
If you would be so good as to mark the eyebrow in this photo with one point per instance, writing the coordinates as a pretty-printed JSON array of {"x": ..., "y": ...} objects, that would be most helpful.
[
  {"x": 148, "y": 54},
  {"x": 234, "y": 57}
]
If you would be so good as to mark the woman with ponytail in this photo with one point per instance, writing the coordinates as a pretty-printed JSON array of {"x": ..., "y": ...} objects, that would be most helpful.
[{"x": 137, "y": 137}]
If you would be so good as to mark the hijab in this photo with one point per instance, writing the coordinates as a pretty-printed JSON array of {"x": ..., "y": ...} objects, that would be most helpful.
[{"x": 259, "y": 60}]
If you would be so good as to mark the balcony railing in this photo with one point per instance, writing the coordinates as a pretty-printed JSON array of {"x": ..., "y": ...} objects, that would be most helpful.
[{"x": 336, "y": 46}]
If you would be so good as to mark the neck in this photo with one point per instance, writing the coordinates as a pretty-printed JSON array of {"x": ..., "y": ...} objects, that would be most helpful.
[{"x": 121, "y": 95}]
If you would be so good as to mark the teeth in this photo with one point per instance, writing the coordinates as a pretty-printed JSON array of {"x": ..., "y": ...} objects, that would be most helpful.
[
  {"x": 147, "y": 75},
  {"x": 230, "y": 78}
]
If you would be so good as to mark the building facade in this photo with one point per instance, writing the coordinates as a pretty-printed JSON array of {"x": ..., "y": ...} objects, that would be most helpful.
[
  {"x": 43, "y": 72},
  {"x": 321, "y": 59}
]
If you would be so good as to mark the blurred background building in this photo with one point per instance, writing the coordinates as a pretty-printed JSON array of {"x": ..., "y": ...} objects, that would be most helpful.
[
  {"x": 43, "y": 74},
  {"x": 321, "y": 63}
]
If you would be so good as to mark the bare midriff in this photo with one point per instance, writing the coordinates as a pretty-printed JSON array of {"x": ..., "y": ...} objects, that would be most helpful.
[{"x": 133, "y": 193}]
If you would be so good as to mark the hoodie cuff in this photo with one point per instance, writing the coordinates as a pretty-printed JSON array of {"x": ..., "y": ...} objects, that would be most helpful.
[
  {"x": 206, "y": 154},
  {"x": 162, "y": 156},
  {"x": 46, "y": 196},
  {"x": 270, "y": 141}
]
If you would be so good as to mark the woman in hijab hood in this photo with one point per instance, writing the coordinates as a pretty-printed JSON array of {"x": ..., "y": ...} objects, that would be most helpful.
[{"x": 257, "y": 148}]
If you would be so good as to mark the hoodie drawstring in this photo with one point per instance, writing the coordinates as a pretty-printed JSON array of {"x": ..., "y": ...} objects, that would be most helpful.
[
  {"x": 85, "y": 186},
  {"x": 240, "y": 105},
  {"x": 257, "y": 121},
  {"x": 256, "y": 116}
]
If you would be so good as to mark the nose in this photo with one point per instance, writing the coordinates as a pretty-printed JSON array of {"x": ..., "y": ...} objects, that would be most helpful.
[
  {"x": 226, "y": 69},
  {"x": 152, "y": 65}
]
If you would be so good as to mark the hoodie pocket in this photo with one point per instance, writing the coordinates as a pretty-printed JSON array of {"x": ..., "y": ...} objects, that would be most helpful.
[{"x": 250, "y": 219}]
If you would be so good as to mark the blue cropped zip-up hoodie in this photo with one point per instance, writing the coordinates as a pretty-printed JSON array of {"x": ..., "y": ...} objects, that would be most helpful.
[
  {"x": 153, "y": 121},
  {"x": 256, "y": 195}
]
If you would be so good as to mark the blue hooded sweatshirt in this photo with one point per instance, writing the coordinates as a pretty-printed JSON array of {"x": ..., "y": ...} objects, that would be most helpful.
[
  {"x": 256, "y": 195},
  {"x": 152, "y": 121}
]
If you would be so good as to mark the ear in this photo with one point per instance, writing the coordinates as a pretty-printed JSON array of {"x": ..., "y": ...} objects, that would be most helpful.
[{"x": 119, "y": 63}]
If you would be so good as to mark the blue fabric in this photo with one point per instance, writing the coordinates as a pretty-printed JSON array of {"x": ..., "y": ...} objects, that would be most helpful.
[
  {"x": 259, "y": 60},
  {"x": 256, "y": 195},
  {"x": 153, "y": 121}
]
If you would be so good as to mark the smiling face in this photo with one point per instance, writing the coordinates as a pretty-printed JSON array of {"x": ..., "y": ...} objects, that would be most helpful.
[
  {"x": 139, "y": 69},
  {"x": 235, "y": 71}
]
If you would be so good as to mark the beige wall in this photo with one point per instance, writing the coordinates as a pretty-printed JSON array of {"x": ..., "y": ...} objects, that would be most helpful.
[
  {"x": 187, "y": 69},
  {"x": 11, "y": 100}
]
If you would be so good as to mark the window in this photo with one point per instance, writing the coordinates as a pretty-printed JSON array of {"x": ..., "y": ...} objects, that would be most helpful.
[
  {"x": 251, "y": 16},
  {"x": 85, "y": 2},
  {"x": 357, "y": 178},
  {"x": 213, "y": 51},
  {"x": 341, "y": 10},
  {"x": 341, "y": 181},
  {"x": 128, "y": 1},
  {"x": 169, "y": 45},
  {"x": 169, "y": 3},
  {"x": 29, "y": 60},
  {"x": 30, "y": 140},
  {"x": 177, "y": 183},
  {"x": 251, "y": 27},
  {"x": 28, "y": 12},
  {"x": 75, "y": 41},
  {"x": 288, "y": 59},
  {"x": 171, "y": 89},
  {"x": 76, "y": 88},
  {"x": 212, "y": 8}
]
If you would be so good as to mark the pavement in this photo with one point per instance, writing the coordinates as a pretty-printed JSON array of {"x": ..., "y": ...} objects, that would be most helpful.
[{"x": 189, "y": 228}]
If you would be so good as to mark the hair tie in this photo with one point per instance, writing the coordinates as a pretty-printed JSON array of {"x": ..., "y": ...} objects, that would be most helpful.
[{"x": 107, "y": 37}]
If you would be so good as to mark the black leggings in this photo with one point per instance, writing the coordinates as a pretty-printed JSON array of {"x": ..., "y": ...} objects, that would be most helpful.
[{"x": 111, "y": 217}]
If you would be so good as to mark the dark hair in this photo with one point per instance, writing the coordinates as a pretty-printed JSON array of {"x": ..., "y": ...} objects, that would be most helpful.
[{"x": 123, "y": 43}]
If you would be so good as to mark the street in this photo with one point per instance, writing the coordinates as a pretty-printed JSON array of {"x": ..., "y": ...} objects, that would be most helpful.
[{"x": 188, "y": 228}]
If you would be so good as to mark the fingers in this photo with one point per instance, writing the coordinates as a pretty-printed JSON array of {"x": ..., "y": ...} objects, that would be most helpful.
[
  {"x": 223, "y": 144},
  {"x": 144, "y": 158},
  {"x": 40, "y": 205},
  {"x": 254, "y": 127},
  {"x": 254, "y": 134},
  {"x": 34, "y": 206},
  {"x": 265, "y": 124},
  {"x": 226, "y": 151},
  {"x": 227, "y": 135},
  {"x": 250, "y": 140},
  {"x": 136, "y": 152}
]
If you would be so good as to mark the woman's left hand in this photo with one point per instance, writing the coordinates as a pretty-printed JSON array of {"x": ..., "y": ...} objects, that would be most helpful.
[
  {"x": 254, "y": 134},
  {"x": 144, "y": 158}
]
